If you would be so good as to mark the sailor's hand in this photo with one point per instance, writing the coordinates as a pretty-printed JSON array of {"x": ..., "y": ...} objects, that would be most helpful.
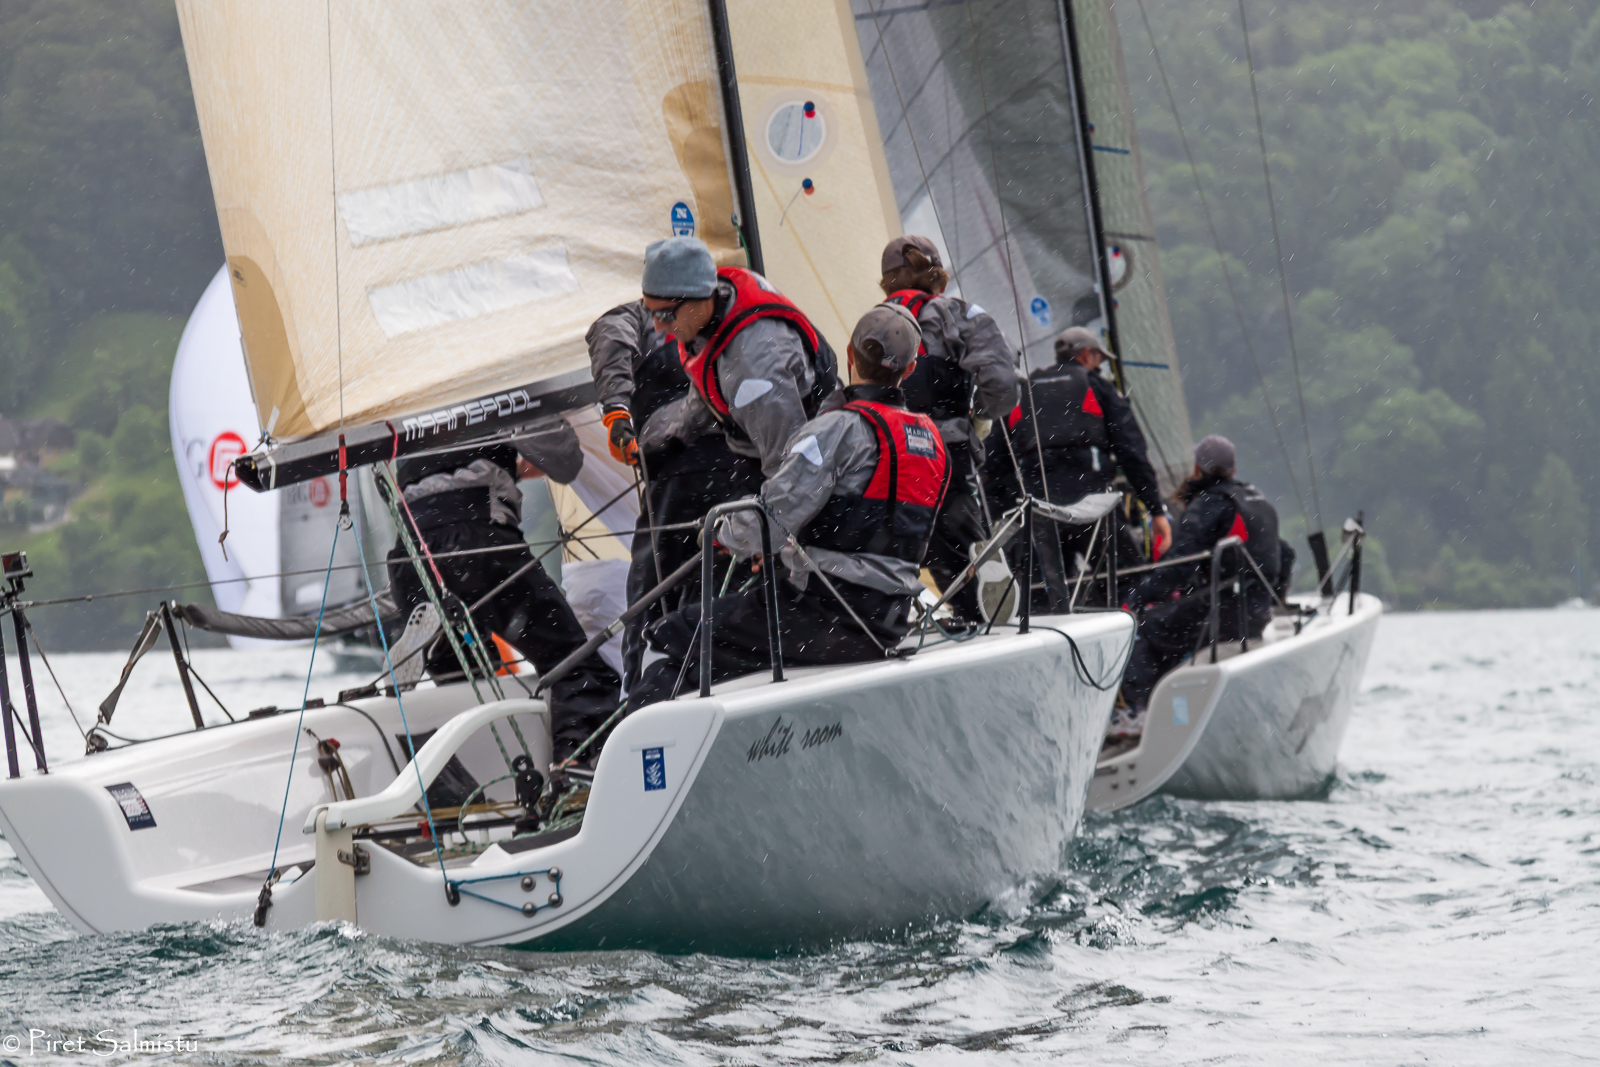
[
  {"x": 1161, "y": 531},
  {"x": 620, "y": 437},
  {"x": 981, "y": 427},
  {"x": 755, "y": 564}
]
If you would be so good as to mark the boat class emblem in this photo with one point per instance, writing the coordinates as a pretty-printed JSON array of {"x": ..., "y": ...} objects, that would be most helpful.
[
  {"x": 655, "y": 769},
  {"x": 682, "y": 220},
  {"x": 134, "y": 809}
]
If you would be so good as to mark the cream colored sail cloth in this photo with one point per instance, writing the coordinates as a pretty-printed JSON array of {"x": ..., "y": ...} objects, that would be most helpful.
[
  {"x": 433, "y": 199},
  {"x": 1150, "y": 360},
  {"x": 808, "y": 118}
]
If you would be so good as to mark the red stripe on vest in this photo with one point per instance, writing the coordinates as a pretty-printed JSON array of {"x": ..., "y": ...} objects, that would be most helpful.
[
  {"x": 1014, "y": 418},
  {"x": 912, "y": 462},
  {"x": 1091, "y": 405},
  {"x": 754, "y": 299},
  {"x": 1237, "y": 529},
  {"x": 913, "y": 300}
]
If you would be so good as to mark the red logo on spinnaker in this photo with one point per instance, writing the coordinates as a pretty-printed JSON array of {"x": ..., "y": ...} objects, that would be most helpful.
[
  {"x": 228, "y": 447},
  {"x": 318, "y": 492}
]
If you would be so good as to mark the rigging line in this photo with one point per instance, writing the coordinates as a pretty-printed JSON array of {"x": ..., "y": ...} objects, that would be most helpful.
[
  {"x": 1005, "y": 238},
  {"x": 411, "y": 745},
  {"x": 1222, "y": 260},
  {"x": 1283, "y": 277},
  {"x": 333, "y": 178},
  {"x": 40, "y": 649},
  {"x": 294, "y": 752},
  {"x": 905, "y": 117}
]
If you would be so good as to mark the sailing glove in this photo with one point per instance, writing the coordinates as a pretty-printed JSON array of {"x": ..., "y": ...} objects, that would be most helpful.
[{"x": 620, "y": 436}]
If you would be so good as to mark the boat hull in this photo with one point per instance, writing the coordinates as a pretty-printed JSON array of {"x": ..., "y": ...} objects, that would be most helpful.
[
  {"x": 839, "y": 803},
  {"x": 1260, "y": 725}
]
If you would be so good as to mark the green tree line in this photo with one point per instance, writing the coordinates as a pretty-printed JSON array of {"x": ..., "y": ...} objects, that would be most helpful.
[{"x": 1434, "y": 168}]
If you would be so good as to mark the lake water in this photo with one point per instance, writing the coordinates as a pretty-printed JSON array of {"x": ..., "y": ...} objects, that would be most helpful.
[{"x": 1441, "y": 904}]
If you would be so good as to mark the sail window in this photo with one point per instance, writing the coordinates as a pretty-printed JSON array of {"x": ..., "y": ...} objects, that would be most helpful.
[
  {"x": 440, "y": 201},
  {"x": 435, "y": 299},
  {"x": 795, "y": 131}
]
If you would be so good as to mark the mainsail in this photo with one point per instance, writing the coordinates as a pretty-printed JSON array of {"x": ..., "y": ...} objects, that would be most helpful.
[
  {"x": 423, "y": 203},
  {"x": 982, "y": 107}
]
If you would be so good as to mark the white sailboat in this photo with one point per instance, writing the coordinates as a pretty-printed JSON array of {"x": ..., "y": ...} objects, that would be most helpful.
[{"x": 423, "y": 207}]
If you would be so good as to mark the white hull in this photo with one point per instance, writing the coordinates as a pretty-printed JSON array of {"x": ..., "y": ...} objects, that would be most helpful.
[
  {"x": 1259, "y": 725},
  {"x": 841, "y": 802}
]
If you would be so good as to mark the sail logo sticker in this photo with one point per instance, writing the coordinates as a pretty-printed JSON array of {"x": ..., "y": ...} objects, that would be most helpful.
[
  {"x": 318, "y": 493},
  {"x": 134, "y": 809},
  {"x": 655, "y": 769},
  {"x": 682, "y": 220},
  {"x": 1039, "y": 308},
  {"x": 228, "y": 447}
]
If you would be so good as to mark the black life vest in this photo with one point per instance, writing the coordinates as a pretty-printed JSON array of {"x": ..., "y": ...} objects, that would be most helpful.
[
  {"x": 938, "y": 387},
  {"x": 1064, "y": 411},
  {"x": 755, "y": 298},
  {"x": 658, "y": 380},
  {"x": 894, "y": 515},
  {"x": 1255, "y": 522}
]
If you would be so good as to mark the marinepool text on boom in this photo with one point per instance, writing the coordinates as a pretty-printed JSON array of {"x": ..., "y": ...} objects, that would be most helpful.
[{"x": 500, "y": 406}]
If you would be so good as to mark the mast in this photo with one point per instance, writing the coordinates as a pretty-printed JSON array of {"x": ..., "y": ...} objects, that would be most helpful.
[{"x": 727, "y": 78}]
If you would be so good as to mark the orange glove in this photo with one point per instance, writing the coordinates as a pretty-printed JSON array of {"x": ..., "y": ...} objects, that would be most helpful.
[{"x": 621, "y": 439}]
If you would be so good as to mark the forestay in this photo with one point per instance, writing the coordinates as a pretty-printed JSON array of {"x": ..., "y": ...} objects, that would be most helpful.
[{"x": 425, "y": 202}]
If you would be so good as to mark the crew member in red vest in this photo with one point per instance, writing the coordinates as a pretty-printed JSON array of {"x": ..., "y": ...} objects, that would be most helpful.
[
  {"x": 858, "y": 490},
  {"x": 1071, "y": 431},
  {"x": 757, "y": 367},
  {"x": 1174, "y": 603},
  {"x": 966, "y": 378}
]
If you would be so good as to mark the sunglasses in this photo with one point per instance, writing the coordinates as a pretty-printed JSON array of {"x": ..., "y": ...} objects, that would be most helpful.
[{"x": 667, "y": 316}]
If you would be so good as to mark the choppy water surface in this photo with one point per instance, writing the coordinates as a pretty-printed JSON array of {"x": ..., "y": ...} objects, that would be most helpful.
[{"x": 1440, "y": 905}]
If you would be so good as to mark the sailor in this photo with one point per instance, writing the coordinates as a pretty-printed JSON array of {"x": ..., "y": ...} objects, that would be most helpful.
[
  {"x": 468, "y": 499},
  {"x": 858, "y": 490},
  {"x": 966, "y": 377},
  {"x": 1072, "y": 431},
  {"x": 1174, "y": 603},
  {"x": 756, "y": 365},
  {"x": 637, "y": 373}
]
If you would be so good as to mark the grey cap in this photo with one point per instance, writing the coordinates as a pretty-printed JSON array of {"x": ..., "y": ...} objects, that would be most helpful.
[
  {"x": 1075, "y": 337},
  {"x": 1214, "y": 455},
  {"x": 895, "y": 332},
  {"x": 894, "y": 253},
  {"x": 679, "y": 268}
]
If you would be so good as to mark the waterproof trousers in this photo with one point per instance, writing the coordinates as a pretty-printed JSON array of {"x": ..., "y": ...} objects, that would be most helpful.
[
  {"x": 959, "y": 526},
  {"x": 1172, "y": 629},
  {"x": 530, "y": 614},
  {"x": 814, "y": 629},
  {"x": 681, "y": 487}
]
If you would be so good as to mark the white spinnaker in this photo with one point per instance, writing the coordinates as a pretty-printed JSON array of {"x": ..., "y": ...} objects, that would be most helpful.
[
  {"x": 426, "y": 201},
  {"x": 213, "y": 421}
]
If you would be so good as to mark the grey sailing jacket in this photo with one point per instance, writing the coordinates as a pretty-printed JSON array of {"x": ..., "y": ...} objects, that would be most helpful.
[{"x": 968, "y": 336}]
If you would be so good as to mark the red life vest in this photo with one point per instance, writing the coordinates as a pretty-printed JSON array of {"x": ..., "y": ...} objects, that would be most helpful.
[
  {"x": 754, "y": 299},
  {"x": 894, "y": 515}
]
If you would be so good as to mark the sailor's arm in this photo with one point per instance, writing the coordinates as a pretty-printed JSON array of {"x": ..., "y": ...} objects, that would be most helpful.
[
  {"x": 823, "y": 450},
  {"x": 986, "y": 356},
  {"x": 680, "y": 421},
  {"x": 763, "y": 375},
  {"x": 552, "y": 447},
  {"x": 1128, "y": 444},
  {"x": 617, "y": 341}
]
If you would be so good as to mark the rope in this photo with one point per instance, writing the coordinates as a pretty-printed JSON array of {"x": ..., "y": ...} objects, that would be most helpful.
[
  {"x": 1222, "y": 259},
  {"x": 1283, "y": 276},
  {"x": 294, "y": 752},
  {"x": 411, "y": 745},
  {"x": 52, "y": 671}
]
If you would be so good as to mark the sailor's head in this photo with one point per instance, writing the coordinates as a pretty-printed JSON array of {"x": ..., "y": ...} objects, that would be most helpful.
[
  {"x": 883, "y": 346},
  {"x": 680, "y": 278},
  {"x": 1214, "y": 457},
  {"x": 1079, "y": 344},
  {"x": 912, "y": 262}
]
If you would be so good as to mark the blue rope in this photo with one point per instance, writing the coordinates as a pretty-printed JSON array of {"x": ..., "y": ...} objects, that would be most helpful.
[
  {"x": 411, "y": 746},
  {"x": 304, "y": 697}
]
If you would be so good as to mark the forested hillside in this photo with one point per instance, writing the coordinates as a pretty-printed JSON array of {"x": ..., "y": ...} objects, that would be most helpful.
[
  {"x": 1434, "y": 164},
  {"x": 1437, "y": 171}
]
